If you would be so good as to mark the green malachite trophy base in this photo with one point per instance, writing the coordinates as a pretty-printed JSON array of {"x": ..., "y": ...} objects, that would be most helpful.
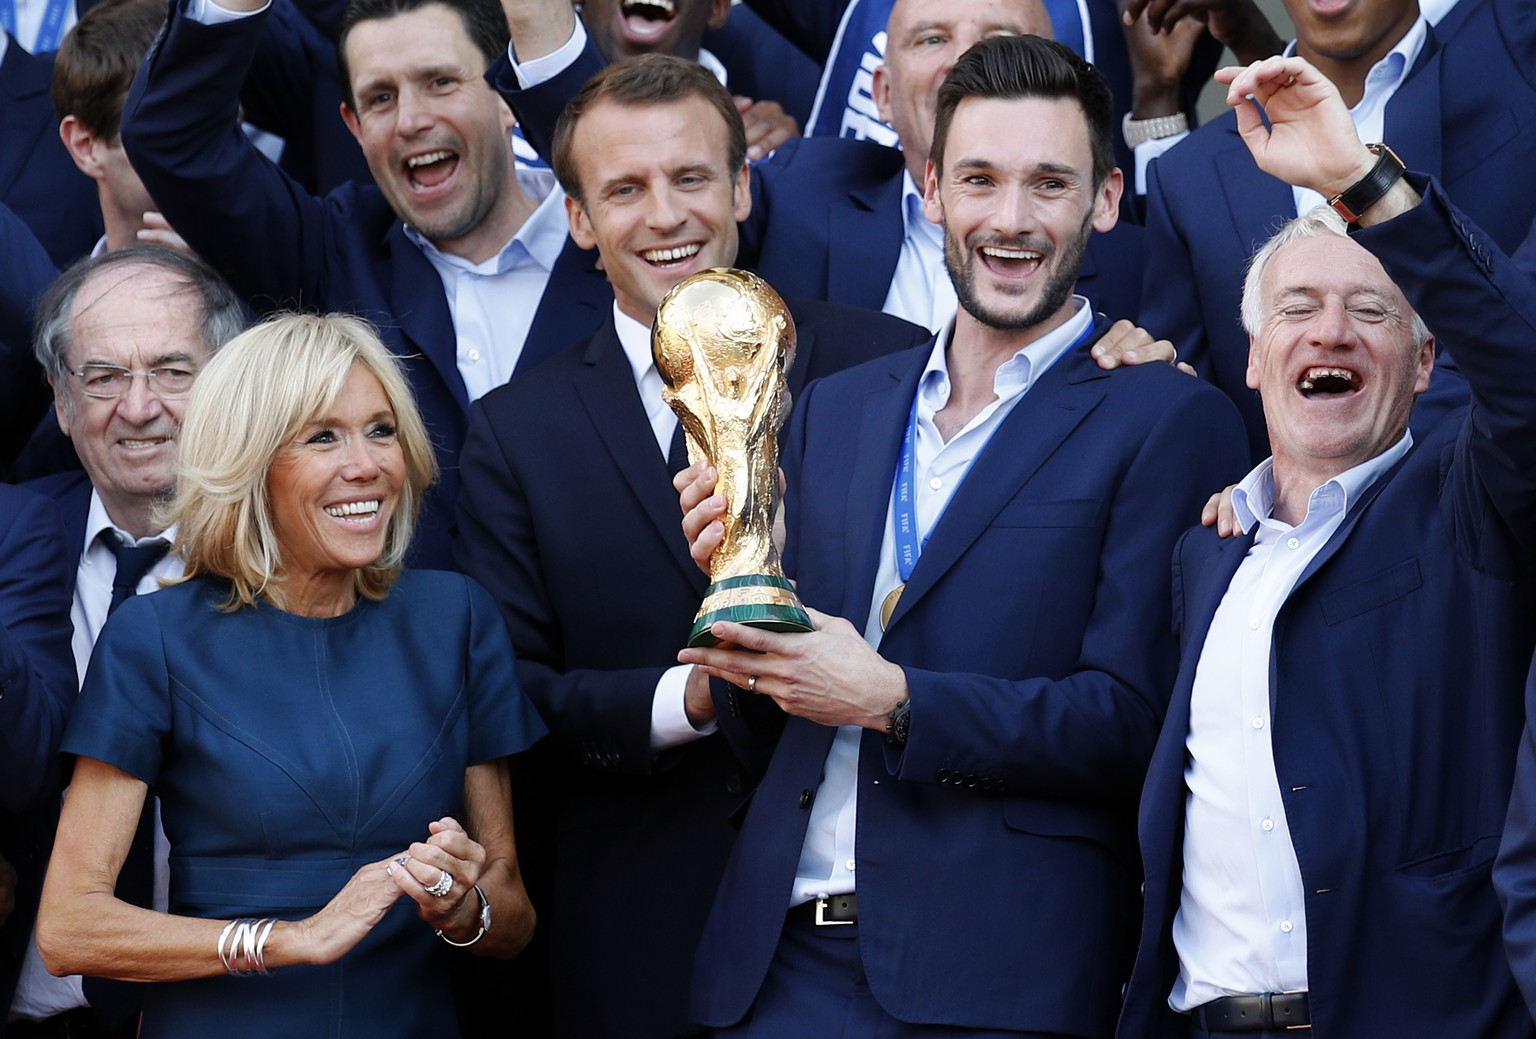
[{"x": 756, "y": 600}]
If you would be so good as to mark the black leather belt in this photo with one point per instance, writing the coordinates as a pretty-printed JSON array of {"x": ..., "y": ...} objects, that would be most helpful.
[
  {"x": 1272, "y": 1011},
  {"x": 832, "y": 911}
]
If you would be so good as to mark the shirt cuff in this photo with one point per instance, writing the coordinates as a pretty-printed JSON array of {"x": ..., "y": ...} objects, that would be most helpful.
[
  {"x": 670, "y": 726},
  {"x": 1146, "y": 151},
  {"x": 206, "y": 12},
  {"x": 540, "y": 70}
]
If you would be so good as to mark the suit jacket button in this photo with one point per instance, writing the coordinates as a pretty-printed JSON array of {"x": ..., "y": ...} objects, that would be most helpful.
[
  {"x": 733, "y": 785},
  {"x": 942, "y": 775},
  {"x": 805, "y": 799}
]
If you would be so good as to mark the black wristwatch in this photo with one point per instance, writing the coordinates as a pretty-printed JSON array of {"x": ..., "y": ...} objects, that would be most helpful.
[
  {"x": 898, "y": 722},
  {"x": 1352, "y": 202}
]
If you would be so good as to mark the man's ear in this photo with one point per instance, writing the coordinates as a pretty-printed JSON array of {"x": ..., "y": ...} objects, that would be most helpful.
[
  {"x": 880, "y": 90},
  {"x": 1106, "y": 203},
  {"x": 350, "y": 118},
  {"x": 81, "y": 145},
  {"x": 719, "y": 11},
  {"x": 581, "y": 227},
  {"x": 933, "y": 208},
  {"x": 61, "y": 408}
]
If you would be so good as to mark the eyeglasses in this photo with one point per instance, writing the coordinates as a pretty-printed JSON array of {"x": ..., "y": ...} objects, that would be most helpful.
[{"x": 107, "y": 381}]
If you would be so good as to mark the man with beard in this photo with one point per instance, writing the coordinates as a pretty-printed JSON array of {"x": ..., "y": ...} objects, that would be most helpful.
[{"x": 944, "y": 836}]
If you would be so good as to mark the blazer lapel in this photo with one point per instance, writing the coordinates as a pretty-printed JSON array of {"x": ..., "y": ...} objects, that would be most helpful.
[
  {"x": 1031, "y": 433},
  {"x": 606, "y": 386},
  {"x": 1412, "y": 119},
  {"x": 20, "y": 84},
  {"x": 1257, "y": 203},
  {"x": 574, "y": 302},
  {"x": 864, "y": 244},
  {"x": 882, "y": 420},
  {"x": 421, "y": 308}
]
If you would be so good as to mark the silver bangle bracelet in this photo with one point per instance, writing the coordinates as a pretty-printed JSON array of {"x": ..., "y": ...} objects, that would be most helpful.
[{"x": 485, "y": 923}]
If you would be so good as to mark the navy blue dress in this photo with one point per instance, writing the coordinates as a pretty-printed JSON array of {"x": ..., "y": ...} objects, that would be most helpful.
[{"x": 289, "y": 751}]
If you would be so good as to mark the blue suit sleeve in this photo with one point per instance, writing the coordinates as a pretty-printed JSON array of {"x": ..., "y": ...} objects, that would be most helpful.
[
  {"x": 539, "y": 107},
  {"x": 37, "y": 664},
  {"x": 181, "y": 131}
]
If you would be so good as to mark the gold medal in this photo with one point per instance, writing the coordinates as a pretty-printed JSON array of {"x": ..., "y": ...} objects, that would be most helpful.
[{"x": 889, "y": 606}]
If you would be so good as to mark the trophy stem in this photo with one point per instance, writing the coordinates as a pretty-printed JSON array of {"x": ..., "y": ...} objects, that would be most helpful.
[{"x": 756, "y": 600}]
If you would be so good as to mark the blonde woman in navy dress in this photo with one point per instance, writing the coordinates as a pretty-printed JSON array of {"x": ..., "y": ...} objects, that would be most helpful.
[{"x": 326, "y": 731}]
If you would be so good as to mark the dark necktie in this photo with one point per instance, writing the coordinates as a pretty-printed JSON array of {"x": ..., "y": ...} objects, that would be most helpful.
[
  {"x": 677, "y": 455},
  {"x": 117, "y": 1003},
  {"x": 133, "y": 562}
]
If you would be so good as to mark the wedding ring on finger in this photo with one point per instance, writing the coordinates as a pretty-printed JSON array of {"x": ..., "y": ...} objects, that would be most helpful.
[
  {"x": 751, "y": 683},
  {"x": 443, "y": 886}
]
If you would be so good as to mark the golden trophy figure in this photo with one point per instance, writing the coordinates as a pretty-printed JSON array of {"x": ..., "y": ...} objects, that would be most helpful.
[{"x": 722, "y": 341}]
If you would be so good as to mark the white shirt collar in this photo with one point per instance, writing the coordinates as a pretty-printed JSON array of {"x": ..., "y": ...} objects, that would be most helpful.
[
  {"x": 635, "y": 338},
  {"x": 1253, "y": 499},
  {"x": 97, "y": 520},
  {"x": 541, "y": 238},
  {"x": 1389, "y": 72},
  {"x": 1014, "y": 375}
]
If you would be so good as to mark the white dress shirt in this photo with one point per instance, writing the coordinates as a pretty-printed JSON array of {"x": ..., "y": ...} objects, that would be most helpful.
[
  {"x": 40, "y": 995},
  {"x": 921, "y": 291},
  {"x": 493, "y": 303},
  {"x": 1241, "y": 928},
  {"x": 1369, "y": 113},
  {"x": 827, "y": 859}
]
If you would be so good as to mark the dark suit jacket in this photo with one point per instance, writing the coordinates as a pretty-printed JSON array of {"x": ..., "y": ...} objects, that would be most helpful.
[
  {"x": 996, "y": 869},
  {"x": 38, "y": 179},
  {"x": 23, "y": 389},
  {"x": 826, "y": 211},
  {"x": 1395, "y": 683},
  {"x": 760, "y": 63},
  {"x": 40, "y": 543},
  {"x": 1466, "y": 115},
  {"x": 280, "y": 247},
  {"x": 568, "y": 516}
]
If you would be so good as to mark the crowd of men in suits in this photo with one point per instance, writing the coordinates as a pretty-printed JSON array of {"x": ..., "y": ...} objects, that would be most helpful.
[{"x": 1058, "y": 760}]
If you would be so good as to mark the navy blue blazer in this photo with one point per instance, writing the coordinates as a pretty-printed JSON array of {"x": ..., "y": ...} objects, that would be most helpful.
[
  {"x": 38, "y": 179},
  {"x": 42, "y": 527},
  {"x": 1466, "y": 115},
  {"x": 997, "y": 872},
  {"x": 1395, "y": 681},
  {"x": 24, "y": 392},
  {"x": 567, "y": 515},
  {"x": 826, "y": 211},
  {"x": 280, "y": 247}
]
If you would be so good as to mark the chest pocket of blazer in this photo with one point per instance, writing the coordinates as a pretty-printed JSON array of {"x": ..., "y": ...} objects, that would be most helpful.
[
  {"x": 1376, "y": 591},
  {"x": 1074, "y": 512}
]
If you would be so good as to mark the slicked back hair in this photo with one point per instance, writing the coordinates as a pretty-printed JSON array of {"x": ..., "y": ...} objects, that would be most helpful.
[
  {"x": 647, "y": 79},
  {"x": 485, "y": 23},
  {"x": 1015, "y": 67}
]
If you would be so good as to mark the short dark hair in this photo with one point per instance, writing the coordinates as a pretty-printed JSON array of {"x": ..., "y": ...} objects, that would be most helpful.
[
  {"x": 223, "y": 316},
  {"x": 484, "y": 22},
  {"x": 1014, "y": 67},
  {"x": 97, "y": 61},
  {"x": 647, "y": 79}
]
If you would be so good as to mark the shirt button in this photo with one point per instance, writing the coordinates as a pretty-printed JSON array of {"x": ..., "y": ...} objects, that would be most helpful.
[
  {"x": 473, "y": 355},
  {"x": 1254, "y": 624},
  {"x": 1267, "y": 824},
  {"x": 1287, "y": 926},
  {"x": 849, "y": 864},
  {"x": 1258, "y": 723},
  {"x": 1293, "y": 543},
  {"x": 935, "y": 483}
]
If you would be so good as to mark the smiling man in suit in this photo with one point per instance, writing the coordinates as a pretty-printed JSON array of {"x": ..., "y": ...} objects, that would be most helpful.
[
  {"x": 1323, "y": 808},
  {"x": 568, "y": 517},
  {"x": 943, "y": 840},
  {"x": 461, "y": 260}
]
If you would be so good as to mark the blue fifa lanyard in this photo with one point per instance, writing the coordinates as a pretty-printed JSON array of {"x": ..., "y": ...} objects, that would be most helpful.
[{"x": 48, "y": 34}]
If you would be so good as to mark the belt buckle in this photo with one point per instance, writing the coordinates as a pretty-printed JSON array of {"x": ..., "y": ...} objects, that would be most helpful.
[{"x": 821, "y": 919}]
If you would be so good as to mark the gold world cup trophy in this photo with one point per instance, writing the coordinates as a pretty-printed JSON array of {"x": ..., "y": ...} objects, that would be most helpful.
[{"x": 722, "y": 342}]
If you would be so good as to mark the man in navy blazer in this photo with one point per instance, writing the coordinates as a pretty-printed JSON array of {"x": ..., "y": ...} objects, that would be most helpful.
[
  {"x": 1464, "y": 112},
  {"x": 1324, "y": 804},
  {"x": 942, "y": 839},
  {"x": 568, "y": 517},
  {"x": 833, "y": 218},
  {"x": 448, "y": 205},
  {"x": 37, "y": 688},
  {"x": 37, "y": 179}
]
